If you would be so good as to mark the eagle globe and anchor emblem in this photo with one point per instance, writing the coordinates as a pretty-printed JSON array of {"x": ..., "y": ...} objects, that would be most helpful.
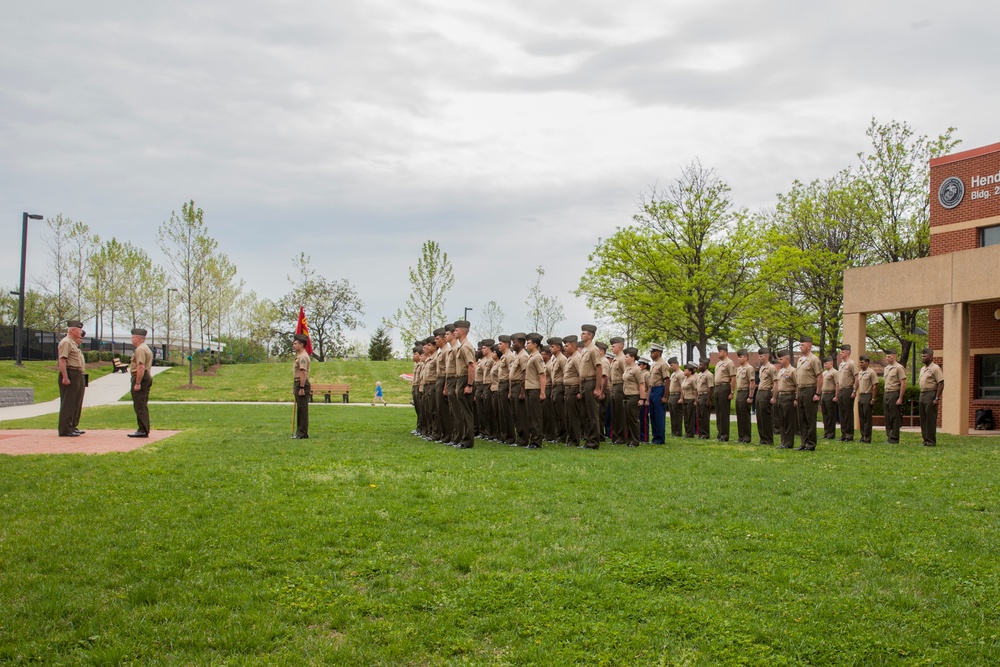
[{"x": 951, "y": 192}]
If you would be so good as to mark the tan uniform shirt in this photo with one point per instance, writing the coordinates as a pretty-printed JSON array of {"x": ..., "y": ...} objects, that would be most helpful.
[
  {"x": 895, "y": 377},
  {"x": 590, "y": 360},
  {"x": 558, "y": 368},
  {"x": 768, "y": 374},
  {"x": 847, "y": 373},
  {"x": 866, "y": 381},
  {"x": 69, "y": 350},
  {"x": 571, "y": 369},
  {"x": 930, "y": 377},
  {"x": 480, "y": 369},
  {"x": 645, "y": 381},
  {"x": 517, "y": 365},
  {"x": 495, "y": 375},
  {"x": 141, "y": 355},
  {"x": 808, "y": 370},
  {"x": 534, "y": 368},
  {"x": 618, "y": 369},
  {"x": 430, "y": 369},
  {"x": 689, "y": 387},
  {"x": 785, "y": 380},
  {"x": 744, "y": 376},
  {"x": 464, "y": 355},
  {"x": 677, "y": 382},
  {"x": 442, "y": 362},
  {"x": 658, "y": 373},
  {"x": 830, "y": 381},
  {"x": 631, "y": 378},
  {"x": 606, "y": 365},
  {"x": 503, "y": 366},
  {"x": 705, "y": 382},
  {"x": 724, "y": 372},
  {"x": 418, "y": 375},
  {"x": 301, "y": 363}
]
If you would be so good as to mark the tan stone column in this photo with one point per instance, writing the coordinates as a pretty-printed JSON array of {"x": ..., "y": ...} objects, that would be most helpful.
[
  {"x": 954, "y": 406},
  {"x": 855, "y": 335}
]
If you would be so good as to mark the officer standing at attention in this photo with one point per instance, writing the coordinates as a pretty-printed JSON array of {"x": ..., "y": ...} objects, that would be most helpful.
[
  {"x": 506, "y": 411},
  {"x": 634, "y": 391},
  {"x": 784, "y": 399},
  {"x": 300, "y": 386},
  {"x": 534, "y": 390},
  {"x": 744, "y": 390},
  {"x": 142, "y": 380},
  {"x": 725, "y": 388},
  {"x": 591, "y": 383},
  {"x": 689, "y": 398},
  {"x": 895, "y": 379},
  {"x": 765, "y": 392},
  {"x": 828, "y": 399},
  {"x": 657, "y": 397},
  {"x": 867, "y": 391},
  {"x": 556, "y": 397},
  {"x": 618, "y": 435},
  {"x": 847, "y": 389},
  {"x": 931, "y": 386},
  {"x": 807, "y": 375},
  {"x": 71, "y": 381},
  {"x": 675, "y": 399},
  {"x": 517, "y": 395},
  {"x": 571, "y": 392},
  {"x": 464, "y": 358},
  {"x": 706, "y": 381}
]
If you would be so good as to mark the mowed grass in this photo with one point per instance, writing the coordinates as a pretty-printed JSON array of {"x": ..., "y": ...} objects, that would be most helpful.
[
  {"x": 43, "y": 376},
  {"x": 273, "y": 381},
  {"x": 231, "y": 544}
]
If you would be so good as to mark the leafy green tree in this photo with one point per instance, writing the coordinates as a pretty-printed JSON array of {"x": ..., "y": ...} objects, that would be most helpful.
[
  {"x": 380, "y": 346},
  {"x": 430, "y": 281}
]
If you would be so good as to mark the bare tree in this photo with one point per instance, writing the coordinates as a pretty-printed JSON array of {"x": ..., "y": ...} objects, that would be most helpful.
[
  {"x": 424, "y": 310},
  {"x": 544, "y": 312},
  {"x": 489, "y": 324}
]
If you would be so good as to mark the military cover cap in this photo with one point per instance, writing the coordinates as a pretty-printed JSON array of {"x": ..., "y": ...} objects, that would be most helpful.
[
  {"x": 673, "y": 360},
  {"x": 864, "y": 357},
  {"x": 657, "y": 347},
  {"x": 646, "y": 360},
  {"x": 74, "y": 324},
  {"x": 417, "y": 349},
  {"x": 783, "y": 353},
  {"x": 449, "y": 327},
  {"x": 722, "y": 347},
  {"x": 487, "y": 342},
  {"x": 589, "y": 327},
  {"x": 689, "y": 366},
  {"x": 890, "y": 350},
  {"x": 845, "y": 347},
  {"x": 519, "y": 335},
  {"x": 302, "y": 338},
  {"x": 572, "y": 338},
  {"x": 438, "y": 332},
  {"x": 832, "y": 359},
  {"x": 609, "y": 356},
  {"x": 928, "y": 350},
  {"x": 602, "y": 345},
  {"x": 617, "y": 339},
  {"x": 503, "y": 338},
  {"x": 555, "y": 340},
  {"x": 742, "y": 353},
  {"x": 764, "y": 350},
  {"x": 139, "y": 332},
  {"x": 631, "y": 351},
  {"x": 429, "y": 340},
  {"x": 536, "y": 338},
  {"x": 805, "y": 339},
  {"x": 462, "y": 324}
]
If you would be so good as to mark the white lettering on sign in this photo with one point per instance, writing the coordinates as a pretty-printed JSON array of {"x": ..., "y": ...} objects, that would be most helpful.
[{"x": 980, "y": 181}]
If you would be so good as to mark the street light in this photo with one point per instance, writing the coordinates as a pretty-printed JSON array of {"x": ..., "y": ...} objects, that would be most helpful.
[
  {"x": 166, "y": 349},
  {"x": 465, "y": 315},
  {"x": 20, "y": 297}
]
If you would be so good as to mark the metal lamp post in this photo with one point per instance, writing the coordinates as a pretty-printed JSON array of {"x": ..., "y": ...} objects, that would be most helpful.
[
  {"x": 20, "y": 297},
  {"x": 465, "y": 315}
]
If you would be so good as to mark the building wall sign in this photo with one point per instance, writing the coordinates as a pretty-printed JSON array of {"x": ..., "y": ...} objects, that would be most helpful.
[{"x": 951, "y": 192}]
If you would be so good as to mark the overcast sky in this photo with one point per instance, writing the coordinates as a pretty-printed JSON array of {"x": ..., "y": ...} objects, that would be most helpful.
[{"x": 515, "y": 134}]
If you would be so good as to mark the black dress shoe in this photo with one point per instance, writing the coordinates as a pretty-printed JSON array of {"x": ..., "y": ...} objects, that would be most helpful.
[
  {"x": 69, "y": 435},
  {"x": 534, "y": 446},
  {"x": 140, "y": 434},
  {"x": 79, "y": 432},
  {"x": 784, "y": 447},
  {"x": 800, "y": 448}
]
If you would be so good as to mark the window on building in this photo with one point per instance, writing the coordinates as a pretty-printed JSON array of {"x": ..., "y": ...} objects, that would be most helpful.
[
  {"x": 990, "y": 236},
  {"x": 988, "y": 373}
]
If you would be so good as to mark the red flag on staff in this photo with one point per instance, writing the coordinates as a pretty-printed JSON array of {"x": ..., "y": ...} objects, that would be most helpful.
[{"x": 302, "y": 327}]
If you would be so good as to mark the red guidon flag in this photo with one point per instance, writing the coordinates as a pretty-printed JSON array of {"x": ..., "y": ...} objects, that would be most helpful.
[{"x": 302, "y": 327}]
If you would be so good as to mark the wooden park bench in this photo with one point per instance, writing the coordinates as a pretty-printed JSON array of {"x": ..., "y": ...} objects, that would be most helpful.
[
  {"x": 328, "y": 390},
  {"x": 119, "y": 366}
]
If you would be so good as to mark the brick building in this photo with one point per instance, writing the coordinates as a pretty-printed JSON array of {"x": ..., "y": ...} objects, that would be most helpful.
[{"x": 959, "y": 283}]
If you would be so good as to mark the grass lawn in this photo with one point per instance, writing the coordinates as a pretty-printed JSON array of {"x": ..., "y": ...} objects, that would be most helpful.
[
  {"x": 43, "y": 376},
  {"x": 273, "y": 382},
  {"x": 231, "y": 544}
]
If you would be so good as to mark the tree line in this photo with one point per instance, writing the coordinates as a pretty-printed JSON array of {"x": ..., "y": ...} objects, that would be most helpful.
[{"x": 693, "y": 267}]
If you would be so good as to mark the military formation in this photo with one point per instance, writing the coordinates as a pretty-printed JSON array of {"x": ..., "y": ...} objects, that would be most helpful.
[{"x": 521, "y": 390}]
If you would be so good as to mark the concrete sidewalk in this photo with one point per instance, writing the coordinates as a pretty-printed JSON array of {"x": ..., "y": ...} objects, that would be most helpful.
[{"x": 107, "y": 390}]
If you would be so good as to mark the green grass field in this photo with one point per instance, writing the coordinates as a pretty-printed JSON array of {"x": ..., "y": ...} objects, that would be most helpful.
[
  {"x": 273, "y": 382},
  {"x": 43, "y": 376},
  {"x": 231, "y": 544}
]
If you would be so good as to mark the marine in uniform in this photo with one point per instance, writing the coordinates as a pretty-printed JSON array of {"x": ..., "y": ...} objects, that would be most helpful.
[
  {"x": 867, "y": 393},
  {"x": 828, "y": 398},
  {"x": 556, "y": 396},
  {"x": 300, "y": 386},
  {"x": 657, "y": 394},
  {"x": 765, "y": 392},
  {"x": 895, "y": 380},
  {"x": 494, "y": 393},
  {"x": 535, "y": 382},
  {"x": 416, "y": 388},
  {"x": 634, "y": 393},
  {"x": 604, "y": 403},
  {"x": 785, "y": 399},
  {"x": 443, "y": 422},
  {"x": 847, "y": 389},
  {"x": 464, "y": 358},
  {"x": 591, "y": 386},
  {"x": 506, "y": 403},
  {"x": 142, "y": 379},
  {"x": 675, "y": 401},
  {"x": 725, "y": 387},
  {"x": 931, "y": 386},
  {"x": 807, "y": 375},
  {"x": 618, "y": 435},
  {"x": 706, "y": 382},
  {"x": 574, "y": 407},
  {"x": 517, "y": 368},
  {"x": 689, "y": 398},
  {"x": 431, "y": 388},
  {"x": 644, "y": 363},
  {"x": 744, "y": 392},
  {"x": 71, "y": 380}
]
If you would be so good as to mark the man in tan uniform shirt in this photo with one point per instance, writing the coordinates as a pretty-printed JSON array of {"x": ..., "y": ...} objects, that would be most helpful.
[
  {"x": 867, "y": 393},
  {"x": 505, "y": 401},
  {"x": 464, "y": 360},
  {"x": 517, "y": 368},
  {"x": 142, "y": 380},
  {"x": 808, "y": 373},
  {"x": 931, "y": 387},
  {"x": 571, "y": 392},
  {"x": 847, "y": 388},
  {"x": 765, "y": 392},
  {"x": 744, "y": 396},
  {"x": 300, "y": 386},
  {"x": 725, "y": 388},
  {"x": 689, "y": 399},
  {"x": 557, "y": 396},
  {"x": 618, "y": 434},
  {"x": 895, "y": 381},
  {"x": 828, "y": 398},
  {"x": 591, "y": 386},
  {"x": 71, "y": 380},
  {"x": 675, "y": 398},
  {"x": 706, "y": 383},
  {"x": 658, "y": 381},
  {"x": 535, "y": 383},
  {"x": 784, "y": 399}
]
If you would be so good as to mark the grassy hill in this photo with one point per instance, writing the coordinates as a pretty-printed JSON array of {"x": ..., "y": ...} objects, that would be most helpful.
[{"x": 43, "y": 376}]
